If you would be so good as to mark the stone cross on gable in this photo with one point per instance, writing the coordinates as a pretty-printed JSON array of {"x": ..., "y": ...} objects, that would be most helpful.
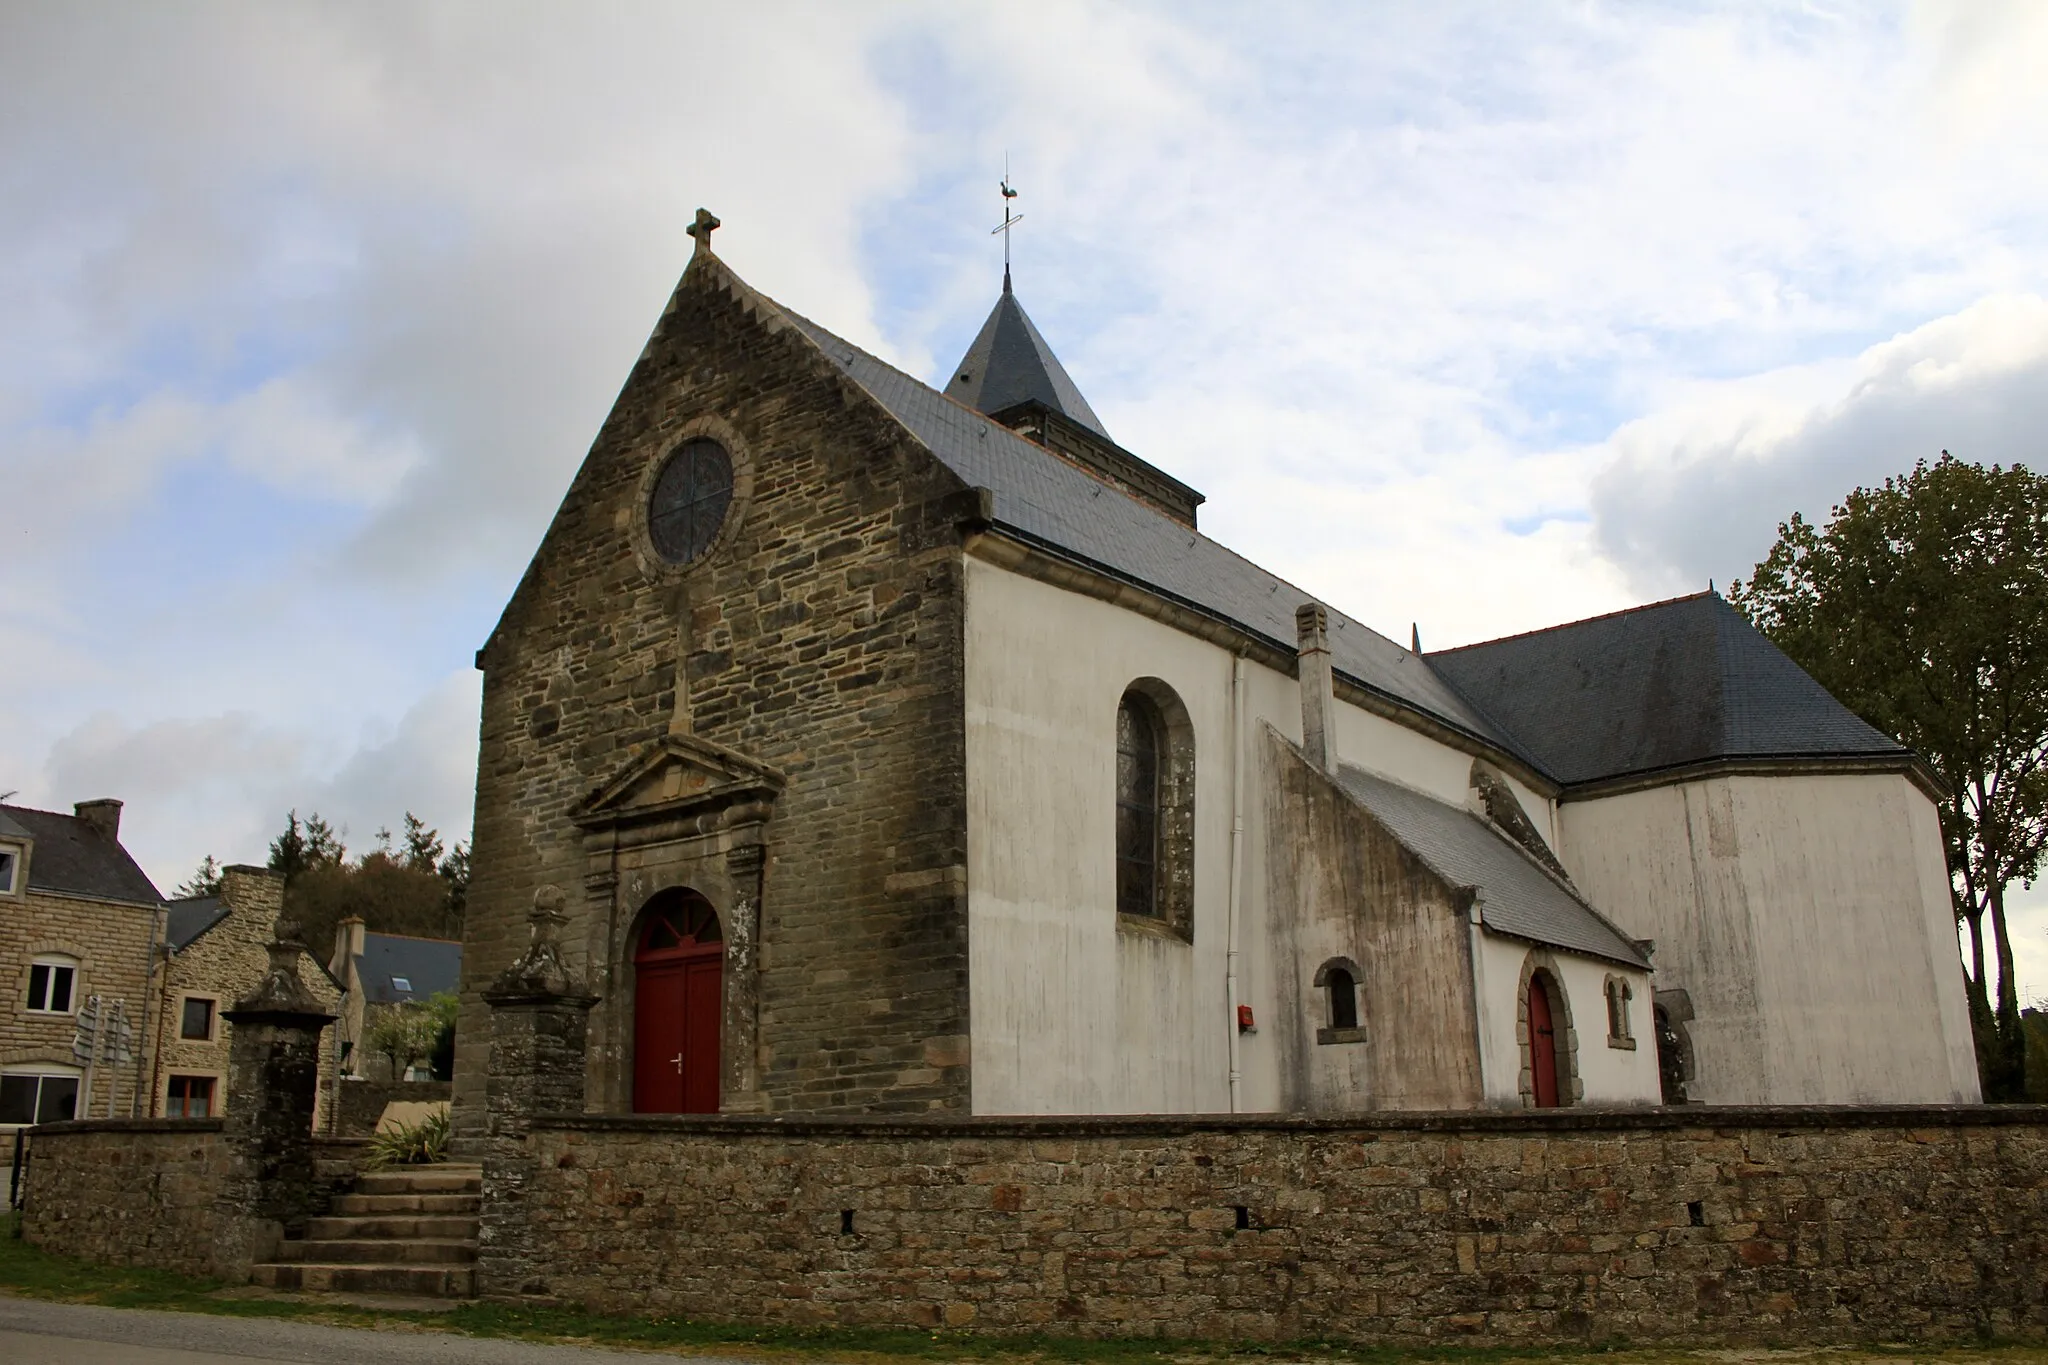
[{"x": 702, "y": 229}]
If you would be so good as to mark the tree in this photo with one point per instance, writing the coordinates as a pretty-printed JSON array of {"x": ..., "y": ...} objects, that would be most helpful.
[
  {"x": 404, "y": 1033},
  {"x": 1923, "y": 606},
  {"x": 410, "y": 889},
  {"x": 204, "y": 881}
]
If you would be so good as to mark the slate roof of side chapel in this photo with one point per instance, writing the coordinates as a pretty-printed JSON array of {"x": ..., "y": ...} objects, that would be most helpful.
[
  {"x": 1517, "y": 895},
  {"x": 73, "y": 858},
  {"x": 1636, "y": 691}
]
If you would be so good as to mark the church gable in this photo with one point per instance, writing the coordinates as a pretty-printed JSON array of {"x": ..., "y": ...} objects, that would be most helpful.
[{"x": 733, "y": 669}]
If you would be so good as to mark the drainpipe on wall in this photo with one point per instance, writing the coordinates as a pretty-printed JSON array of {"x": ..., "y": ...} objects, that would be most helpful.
[
  {"x": 159, "y": 931},
  {"x": 1318, "y": 703},
  {"x": 1236, "y": 866}
]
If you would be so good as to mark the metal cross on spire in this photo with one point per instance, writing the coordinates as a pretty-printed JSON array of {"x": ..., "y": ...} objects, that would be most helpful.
[{"x": 1009, "y": 220}]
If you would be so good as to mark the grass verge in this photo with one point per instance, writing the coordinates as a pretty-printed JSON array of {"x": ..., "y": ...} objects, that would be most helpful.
[{"x": 29, "y": 1272}]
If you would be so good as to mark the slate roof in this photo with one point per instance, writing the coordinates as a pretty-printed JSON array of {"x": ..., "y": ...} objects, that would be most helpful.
[
  {"x": 1656, "y": 687},
  {"x": 1044, "y": 499},
  {"x": 1517, "y": 895},
  {"x": 1009, "y": 363},
  {"x": 73, "y": 858},
  {"x": 191, "y": 918},
  {"x": 427, "y": 965}
]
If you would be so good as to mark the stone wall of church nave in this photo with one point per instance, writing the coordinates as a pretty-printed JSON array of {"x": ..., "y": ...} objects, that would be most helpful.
[{"x": 1805, "y": 917}]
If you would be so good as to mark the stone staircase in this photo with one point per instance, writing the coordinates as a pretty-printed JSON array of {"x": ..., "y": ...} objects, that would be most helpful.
[{"x": 407, "y": 1230}]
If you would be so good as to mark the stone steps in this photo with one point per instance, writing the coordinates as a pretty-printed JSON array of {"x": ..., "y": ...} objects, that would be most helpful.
[
  {"x": 410, "y": 1230},
  {"x": 425, "y": 1281},
  {"x": 380, "y": 1250}
]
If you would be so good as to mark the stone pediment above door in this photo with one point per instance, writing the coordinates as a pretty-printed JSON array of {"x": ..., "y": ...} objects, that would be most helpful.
[{"x": 682, "y": 778}]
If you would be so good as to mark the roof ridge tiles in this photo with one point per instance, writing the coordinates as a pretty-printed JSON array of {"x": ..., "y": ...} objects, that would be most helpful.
[{"x": 1582, "y": 621}]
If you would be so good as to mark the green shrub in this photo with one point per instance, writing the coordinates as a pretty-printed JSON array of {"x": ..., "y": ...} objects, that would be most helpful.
[{"x": 411, "y": 1144}]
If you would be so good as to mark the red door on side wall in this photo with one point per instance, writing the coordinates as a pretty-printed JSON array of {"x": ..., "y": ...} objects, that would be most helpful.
[
  {"x": 1542, "y": 1044},
  {"x": 678, "y": 1003}
]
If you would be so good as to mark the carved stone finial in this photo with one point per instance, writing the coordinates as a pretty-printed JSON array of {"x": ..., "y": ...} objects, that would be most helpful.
[
  {"x": 702, "y": 229},
  {"x": 281, "y": 988},
  {"x": 540, "y": 968}
]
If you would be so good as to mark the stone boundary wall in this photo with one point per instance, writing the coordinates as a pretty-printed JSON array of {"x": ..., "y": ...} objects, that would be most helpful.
[
  {"x": 127, "y": 1191},
  {"x": 1685, "y": 1225}
]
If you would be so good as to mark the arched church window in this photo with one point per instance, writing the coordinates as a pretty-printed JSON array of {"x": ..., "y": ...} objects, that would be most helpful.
[
  {"x": 690, "y": 499},
  {"x": 1343, "y": 992},
  {"x": 1155, "y": 810},
  {"x": 1620, "y": 1034},
  {"x": 1137, "y": 806},
  {"x": 1337, "y": 980}
]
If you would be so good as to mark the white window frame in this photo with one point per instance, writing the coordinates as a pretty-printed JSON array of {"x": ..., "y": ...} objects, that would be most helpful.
[
  {"x": 45, "y": 1071},
  {"x": 55, "y": 961},
  {"x": 16, "y": 856}
]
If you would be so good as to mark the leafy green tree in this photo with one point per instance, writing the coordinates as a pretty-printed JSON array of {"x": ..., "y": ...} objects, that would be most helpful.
[
  {"x": 403, "y": 1034},
  {"x": 204, "y": 881},
  {"x": 1923, "y": 606}
]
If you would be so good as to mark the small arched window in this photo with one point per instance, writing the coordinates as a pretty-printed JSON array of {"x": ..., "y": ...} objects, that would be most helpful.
[
  {"x": 1619, "y": 1032},
  {"x": 1137, "y": 806},
  {"x": 1337, "y": 980},
  {"x": 1343, "y": 993}
]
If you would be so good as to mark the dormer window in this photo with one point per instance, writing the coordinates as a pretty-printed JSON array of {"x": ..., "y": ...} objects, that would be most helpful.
[{"x": 10, "y": 869}]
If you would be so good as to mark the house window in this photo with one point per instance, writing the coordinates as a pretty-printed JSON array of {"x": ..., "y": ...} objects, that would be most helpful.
[
  {"x": 1137, "y": 806},
  {"x": 10, "y": 868},
  {"x": 37, "y": 1097},
  {"x": 195, "y": 1020},
  {"x": 402, "y": 984},
  {"x": 50, "y": 984},
  {"x": 1155, "y": 810},
  {"x": 1619, "y": 1033},
  {"x": 191, "y": 1097},
  {"x": 1337, "y": 980}
]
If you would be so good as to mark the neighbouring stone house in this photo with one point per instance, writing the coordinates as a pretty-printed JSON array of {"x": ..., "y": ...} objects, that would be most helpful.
[
  {"x": 216, "y": 952},
  {"x": 78, "y": 919},
  {"x": 901, "y": 749},
  {"x": 380, "y": 972}
]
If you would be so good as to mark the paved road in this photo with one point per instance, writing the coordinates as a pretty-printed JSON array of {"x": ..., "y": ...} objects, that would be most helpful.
[{"x": 36, "y": 1333}]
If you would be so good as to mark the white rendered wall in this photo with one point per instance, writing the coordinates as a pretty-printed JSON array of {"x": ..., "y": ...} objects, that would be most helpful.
[
  {"x": 1609, "y": 1075},
  {"x": 1807, "y": 917},
  {"x": 1068, "y": 1014}
]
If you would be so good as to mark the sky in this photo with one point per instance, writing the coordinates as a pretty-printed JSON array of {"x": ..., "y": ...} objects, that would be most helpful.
[{"x": 1472, "y": 316}]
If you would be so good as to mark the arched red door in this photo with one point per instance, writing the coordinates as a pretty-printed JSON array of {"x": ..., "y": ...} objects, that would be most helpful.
[
  {"x": 1542, "y": 1043},
  {"x": 678, "y": 1003}
]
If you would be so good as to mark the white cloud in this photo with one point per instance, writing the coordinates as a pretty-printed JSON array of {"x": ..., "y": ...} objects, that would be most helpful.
[{"x": 1697, "y": 489}]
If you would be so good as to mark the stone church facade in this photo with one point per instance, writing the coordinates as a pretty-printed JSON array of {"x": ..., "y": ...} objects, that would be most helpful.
[{"x": 891, "y": 750}]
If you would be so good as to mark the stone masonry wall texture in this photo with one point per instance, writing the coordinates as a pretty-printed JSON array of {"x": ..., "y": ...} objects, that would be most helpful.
[
  {"x": 823, "y": 636},
  {"x": 1743, "y": 1225},
  {"x": 128, "y": 1192}
]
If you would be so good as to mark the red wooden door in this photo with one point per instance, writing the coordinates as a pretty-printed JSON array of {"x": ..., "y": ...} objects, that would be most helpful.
[
  {"x": 1542, "y": 1045},
  {"x": 679, "y": 1002}
]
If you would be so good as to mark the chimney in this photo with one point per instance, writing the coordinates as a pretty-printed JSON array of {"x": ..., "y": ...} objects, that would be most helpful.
[
  {"x": 103, "y": 815},
  {"x": 1312, "y": 631},
  {"x": 257, "y": 890},
  {"x": 348, "y": 947}
]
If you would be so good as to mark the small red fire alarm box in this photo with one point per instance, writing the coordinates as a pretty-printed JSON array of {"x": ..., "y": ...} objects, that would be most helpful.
[{"x": 1245, "y": 1023}]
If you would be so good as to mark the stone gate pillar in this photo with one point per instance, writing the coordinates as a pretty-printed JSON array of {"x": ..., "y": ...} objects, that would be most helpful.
[
  {"x": 273, "y": 1083},
  {"x": 539, "y": 1018}
]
